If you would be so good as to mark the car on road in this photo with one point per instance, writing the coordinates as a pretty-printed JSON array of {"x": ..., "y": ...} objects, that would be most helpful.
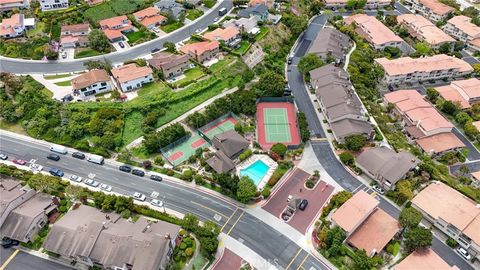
[
  {"x": 121, "y": 44},
  {"x": 36, "y": 167},
  {"x": 19, "y": 161},
  {"x": 75, "y": 178},
  {"x": 464, "y": 253},
  {"x": 215, "y": 19},
  {"x": 92, "y": 182},
  {"x": 378, "y": 189},
  {"x": 59, "y": 149},
  {"x": 105, "y": 187},
  {"x": 138, "y": 172},
  {"x": 303, "y": 204},
  {"x": 198, "y": 31},
  {"x": 125, "y": 168},
  {"x": 8, "y": 243},
  {"x": 154, "y": 50},
  {"x": 156, "y": 202},
  {"x": 155, "y": 177},
  {"x": 290, "y": 60},
  {"x": 3, "y": 157},
  {"x": 139, "y": 196},
  {"x": 56, "y": 172},
  {"x": 53, "y": 157},
  {"x": 78, "y": 155}
]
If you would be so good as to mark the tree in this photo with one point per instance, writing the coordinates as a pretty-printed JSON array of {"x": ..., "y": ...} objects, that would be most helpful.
[
  {"x": 445, "y": 48},
  {"x": 422, "y": 48},
  {"x": 417, "y": 238},
  {"x": 404, "y": 191},
  {"x": 170, "y": 46},
  {"x": 98, "y": 41},
  {"x": 355, "y": 142},
  {"x": 361, "y": 261},
  {"x": 390, "y": 20},
  {"x": 394, "y": 52},
  {"x": 410, "y": 217},
  {"x": 73, "y": 192},
  {"x": 106, "y": 64},
  {"x": 462, "y": 118},
  {"x": 347, "y": 158},
  {"x": 476, "y": 69},
  {"x": 334, "y": 240},
  {"x": 432, "y": 94},
  {"x": 246, "y": 189},
  {"x": 190, "y": 222},
  {"x": 450, "y": 107},
  {"x": 470, "y": 130},
  {"x": 50, "y": 53},
  {"x": 309, "y": 62},
  {"x": 470, "y": 12},
  {"x": 270, "y": 84},
  {"x": 279, "y": 148}
]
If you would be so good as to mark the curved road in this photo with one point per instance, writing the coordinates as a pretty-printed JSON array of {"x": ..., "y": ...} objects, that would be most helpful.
[{"x": 20, "y": 66}]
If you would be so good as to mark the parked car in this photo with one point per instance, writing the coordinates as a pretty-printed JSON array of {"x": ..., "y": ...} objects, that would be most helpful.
[
  {"x": 95, "y": 159},
  {"x": 3, "y": 157},
  {"x": 121, "y": 44},
  {"x": 464, "y": 253},
  {"x": 138, "y": 172},
  {"x": 125, "y": 168},
  {"x": 78, "y": 155},
  {"x": 19, "y": 161},
  {"x": 56, "y": 172},
  {"x": 58, "y": 149},
  {"x": 378, "y": 189},
  {"x": 92, "y": 182},
  {"x": 36, "y": 167},
  {"x": 53, "y": 157},
  {"x": 290, "y": 59},
  {"x": 75, "y": 178},
  {"x": 8, "y": 243},
  {"x": 139, "y": 196},
  {"x": 106, "y": 187},
  {"x": 67, "y": 98},
  {"x": 215, "y": 19},
  {"x": 155, "y": 177},
  {"x": 64, "y": 54},
  {"x": 154, "y": 50},
  {"x": 156, "y": 202},
  {"x": 303, "y": 204}
]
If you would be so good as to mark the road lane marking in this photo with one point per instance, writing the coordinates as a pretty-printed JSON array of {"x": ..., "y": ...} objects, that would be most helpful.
[
  {"x": 234, "y": 224},
  {"x": 228, "y": 220},
  {"x": 9, "y": 259},
  {"x": 294, "y": 258},
  {"x": 208, "y": 208},
  {"x": 303, "y": 261}
]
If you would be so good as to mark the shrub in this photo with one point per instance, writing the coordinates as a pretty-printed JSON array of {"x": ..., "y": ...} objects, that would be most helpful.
[
  {"x": 170, "y": 173},
  {"x": 347, "y": 158},
  {"x": 183, "y": 246},
  {"x": 243, "y": 156},
  {"x": 451, "y": 242},
  {"x": 159, "y": 161},
  {"x": 309, "y": 184},
  {"x": 279, "y": 148},
  {"x": 189, "y": 252},
  {"x": 63, "y": 209},
  {"x": 266, "y": 192}
]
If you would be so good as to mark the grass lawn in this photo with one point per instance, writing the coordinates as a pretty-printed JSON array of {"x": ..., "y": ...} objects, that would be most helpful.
[
  {"x": 57, "y": 76},
  {"x": 190, "y": 75},
  {"x": 215, "y": 68},
  {"x": 244, "y": 46},
  {"x": 167, "y": 28},
  {"x": 135, "y": 36},
  {"x": 47, "y": 92},
  {"x": 263, "y": 32},
  {"x": 12, "y": 127},
  {"x": 86, "y": 52},
  {"x": 64, "y": 83},
  {"x": 37, "y": 31},
  {"x": 193, "y": 14},
  {"x": 133, "y": 127}
]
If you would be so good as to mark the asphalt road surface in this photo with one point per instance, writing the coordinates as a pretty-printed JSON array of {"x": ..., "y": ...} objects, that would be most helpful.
[{"x": 19, "y": 260}]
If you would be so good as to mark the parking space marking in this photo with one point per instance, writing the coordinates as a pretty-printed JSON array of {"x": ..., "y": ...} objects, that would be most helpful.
[
  {"x": 234, "y": 224},
  {"x": 294, "y": 258},
  {"x": 303, "y": 261},
  {"x": 208, "y": 208},
  {"x": 9, "y": 259}
]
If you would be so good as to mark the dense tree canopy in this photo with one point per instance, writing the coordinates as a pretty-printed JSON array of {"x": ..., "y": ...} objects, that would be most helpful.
[
  {"x": 246, "y": 189},
  {"x": 418, "y": 238},
  {"x": 309, "y": 62},
  {"x": 98, "y": 41},
  {"x": 271, "y": 84}
]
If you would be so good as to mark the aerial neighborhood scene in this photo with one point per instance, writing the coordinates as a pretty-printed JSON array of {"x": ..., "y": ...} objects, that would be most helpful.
[{"x": 240, "y": 134}]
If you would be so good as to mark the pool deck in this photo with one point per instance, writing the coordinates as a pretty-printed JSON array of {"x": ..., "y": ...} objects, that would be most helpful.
[{"x": 265, "y": 159}]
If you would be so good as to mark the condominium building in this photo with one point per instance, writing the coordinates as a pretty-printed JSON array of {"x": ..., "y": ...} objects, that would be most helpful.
[
  {"x": 46, "y": 5},
  {"x": 424, "y": 30},
  {"x": 92, "y": 82},
  {"x": 465, "y": 92},
  {"x": 330, "y": 43},
  {"x": 6, "y": 5},
  {"x": 413, "y": 70},
  {"x": 464, "y": 30},
  {"x": 131, "y": 76},
  {"x": 371, "y": 4},
  {"x": 431, "y": 9}
]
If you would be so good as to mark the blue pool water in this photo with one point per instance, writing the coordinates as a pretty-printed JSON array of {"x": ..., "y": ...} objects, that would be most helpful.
[{"x": 256, "y": 171}]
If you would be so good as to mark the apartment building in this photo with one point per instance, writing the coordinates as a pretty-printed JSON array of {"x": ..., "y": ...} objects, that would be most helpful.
[
  {"x": 169, "y": 64},
  {"x": 431, "y": 9},
  {"x": 452, "y": 213},
  {"x": 90, "y": 237},
  {"x": 464, "y": 30},
  {"x": 12, "y": 27},
  {"x": 339, "y": 103},
  {"x": 424, "y": 30},
  {"x": 6, "y": 5},
  {"x": 47, "y": 5},
  {"x": 115, "y": 27},
  {"x": 371, "y": 4},
  {"x": 201, "y": 51},
  {"x": 229, "y": 35},
  {"x": 465, "y": 92},
  {"x": 413, "y": 70},
  {"x": 150, "y": 17},
  {"x": 74, "y": 35},
  {"x": 425, "y": 260},
  {"x": 376, "y": 33},
  {"x": 330, "y": 43},
  {"x": 91, "y": 83},
  {"x": 12, "y": 195},
  {"x": 130, "y": 77}
]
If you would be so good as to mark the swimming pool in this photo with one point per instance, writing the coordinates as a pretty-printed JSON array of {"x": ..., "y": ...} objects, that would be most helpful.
[{"x": 256, "y": 171}]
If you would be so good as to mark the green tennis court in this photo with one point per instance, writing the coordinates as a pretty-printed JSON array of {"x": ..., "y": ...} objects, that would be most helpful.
[{"x": 276, "y": 125}]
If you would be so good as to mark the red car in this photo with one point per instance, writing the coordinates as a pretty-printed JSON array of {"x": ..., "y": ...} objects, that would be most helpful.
[{"x": 19, "y": 161}]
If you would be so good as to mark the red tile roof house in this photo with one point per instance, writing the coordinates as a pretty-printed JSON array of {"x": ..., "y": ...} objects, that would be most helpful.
[
  {"x": 424, "y": 30},
  {"x": 93, "y": 82},
  {"x": 169, "y": 64},
  {"x": 12, "y": 27},
  {"x": 74, "y": 35},
  {"x": 431, "y": 9},
  {"x": 230, "y": 35},
  {"x": 201, "y": 51},
  {"x": 465, "y": 92},
  {"x": 424, "y": 260},
  {"x": 367, "y": 226},
  {"x": 452, "y": 213},
  {"x": 149, "y": 17},
  {"x": 130, "y": 77},
  {"x": 115, "y": 27}
]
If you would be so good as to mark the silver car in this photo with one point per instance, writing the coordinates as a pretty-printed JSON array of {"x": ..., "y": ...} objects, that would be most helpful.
[
  {"x": 76, "y": 178},
  {"x": 139, "y": 196},
  {"x": 105, "y": 187},
  {"x": 92, "y": 183},
  {"x": 156, "y": 202}
]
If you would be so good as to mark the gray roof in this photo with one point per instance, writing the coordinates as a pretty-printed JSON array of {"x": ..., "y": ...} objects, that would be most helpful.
[
  {"x": 330, "y": 40},
  {"x": 255, "y": 10},
  {"x": 385, "y": 163},
  {"x": 220, "y": 163},
  {"x": 166, "y": 60},
  {"x": 230, "y": 143},
  {"x": 170, "y": 6},
  {"x": 346, "y": 127},
  {"x": 243, "y": 24},
  {"x": 11, "y": 191}
]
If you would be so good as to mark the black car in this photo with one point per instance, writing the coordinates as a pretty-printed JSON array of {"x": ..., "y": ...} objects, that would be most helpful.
[
  {"x": 8, "y": 243},
  {"x": 154, "y": 50},
  {"x": 303, "y": 204},
  {"x": 78, "y": 155},
  {"x": 54, "y": 157},
  {"x": 138, "y": 172},
  {"x": 125, "y": 168},
  {"x": 121, "y": 45},
  {"x": 156, "y": 177},
  {"x": 290, "y": 60}
]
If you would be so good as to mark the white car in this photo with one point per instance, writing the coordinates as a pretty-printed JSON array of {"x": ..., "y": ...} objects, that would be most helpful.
[
  {"x": 36, "y": 167},
  {"x": 156, "y": 30},
  {"x": 198, "y": 31},
  {"x": 139, "y": 196},
  {"x": 215, "y": 19},
  {"x": 464, "y": 253},
  {"x": 156, "y": 202},
  {"x": 378, "y": 189},
  {"x": 64, "y": 54},
  {"x": 76, "y": 178},
  {"x": 92, "y": 183},
  {"x": 106, "y": 187}
]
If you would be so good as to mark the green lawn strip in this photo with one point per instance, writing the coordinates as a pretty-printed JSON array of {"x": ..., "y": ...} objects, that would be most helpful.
[
  {"x": 82, "y": 53},
  {"x": 64, "y": 83},
  {"x": 135, "y": 36},
  {"x": 190, "y": 75},
  {"x": 263, "y": 32},
  {"x": 133, "y": 127},
  {"x": 193, "y": 14},
  {"x": 220, "y": 65},
  {"x": 38, "y": 30},
  {"x": 100, "y": 12},
  {"x": 167, "y": 28},
  {"x": 244, "y": 46},
  {"x": 209, "y": 3},
  {"x": 56, "y": 76}
]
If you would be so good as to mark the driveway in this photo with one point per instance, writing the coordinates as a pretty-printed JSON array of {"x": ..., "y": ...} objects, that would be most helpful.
[{"x": 117, "y": 47}]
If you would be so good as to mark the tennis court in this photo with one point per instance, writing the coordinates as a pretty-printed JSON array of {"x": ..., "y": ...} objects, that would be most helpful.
[{"x": 277, "y": 126}]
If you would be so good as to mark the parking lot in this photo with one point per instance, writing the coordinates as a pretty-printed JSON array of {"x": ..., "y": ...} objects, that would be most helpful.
[{"x": 295, "y": 185}]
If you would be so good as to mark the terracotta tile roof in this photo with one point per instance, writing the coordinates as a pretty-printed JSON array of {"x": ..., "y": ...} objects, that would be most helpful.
[
  {"x": 448, "y": 92},
  {"x": 199, "y": 48},
  {"x": 465, "y": 25},
  {"x": 156, "y": 19},
  {"x": 406, "y": 100},
  {"x": 165, "y": 60},
  {"x": 473, "y": 230},
  {"x": 476, "y": 175},
  {"x": 114, "y": 21},
  {"x": 437, "y": 7},
  {"x": 440, "y": 142},
  {"x": 148, "y": 12},
  {"x": 375, "y": 233},
  {"x": 354, "y": 211},
  {"x": 407, "y": 65},
  {"x": 424, "y": 29},
  {"x": 130, "y": 72},
  {"x": 11, "y": 1},
  {"x": 424, "y": 260},
  {"x": 82, "y": 27},
  {"x": 376, "y": 31},
  {"x": 89, "y": 78},
  {"x": 222, "y": 34},
  {"x": 475, "y": 42},
  {"x": 7, "y": 25},
  {"x": 428, "y": 118}
]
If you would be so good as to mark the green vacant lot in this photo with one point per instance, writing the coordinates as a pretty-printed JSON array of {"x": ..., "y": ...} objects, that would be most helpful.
[
  {"x": 64, "y": 83},
  {"x": 244, "y": 46},
  {"x": 193, "y": 14},
  {"x": 136, "y": 36},
  {"x": 190, "y": 76},
  {"x": 167, "y": 28},
  {"x": 87, "y": 52}
]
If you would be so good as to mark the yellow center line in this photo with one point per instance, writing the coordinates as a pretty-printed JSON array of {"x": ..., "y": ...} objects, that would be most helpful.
[
  {"x": 206, "y": 207},
  {"x": 9, "y": 259},
  {"x": 228, "y": 220},
  {"x": 238, "y": 219},
  {"x": 303, "y": 261},
  {"x": 294, "y": 258}
]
